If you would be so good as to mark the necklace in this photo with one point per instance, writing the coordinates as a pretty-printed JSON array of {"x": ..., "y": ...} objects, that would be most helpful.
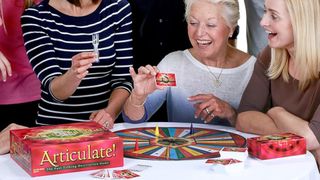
[{"x": 216, "y": 82}]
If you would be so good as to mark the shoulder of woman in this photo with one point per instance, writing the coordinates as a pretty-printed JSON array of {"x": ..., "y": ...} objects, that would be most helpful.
[
  {"x": 172, "y": 59},
  {"x": 264, "y": 57}
]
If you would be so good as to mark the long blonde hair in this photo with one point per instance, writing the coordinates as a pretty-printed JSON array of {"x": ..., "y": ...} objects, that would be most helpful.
[
  {"x": 305, "y": 15},
  {"x": 27, "y": 3}
]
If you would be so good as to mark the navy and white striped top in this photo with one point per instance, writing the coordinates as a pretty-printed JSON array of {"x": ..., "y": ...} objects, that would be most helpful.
[{"x": 52, "y": 38}]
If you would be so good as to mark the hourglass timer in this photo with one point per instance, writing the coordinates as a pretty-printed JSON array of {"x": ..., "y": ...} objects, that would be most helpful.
[{"x": 95, "y": 43}]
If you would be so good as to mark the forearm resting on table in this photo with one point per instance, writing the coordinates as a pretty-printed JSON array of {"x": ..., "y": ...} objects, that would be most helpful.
[
  {"x": 256, "y": 123},
  {"x": 116, "y": 101},
  {"x": 288, "y": 122},
  {"x": 5, "y": 137},
  {"x": 134, "y": 106}
]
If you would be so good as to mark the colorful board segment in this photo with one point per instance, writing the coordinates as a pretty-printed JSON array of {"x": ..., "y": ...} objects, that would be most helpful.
[{"x": 176, "y": 143}]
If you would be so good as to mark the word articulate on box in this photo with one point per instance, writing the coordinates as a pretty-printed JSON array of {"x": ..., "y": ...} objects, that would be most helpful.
[
  {"x": 276, "y": 146},
  {"x": 65, "y": 148}
]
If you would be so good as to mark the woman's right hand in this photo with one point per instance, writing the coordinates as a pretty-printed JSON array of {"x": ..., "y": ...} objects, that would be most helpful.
[
  {"x": 144, "y": 82},
  {"x": 81, "y": 62},
  {"x": 5, "y": 67}
]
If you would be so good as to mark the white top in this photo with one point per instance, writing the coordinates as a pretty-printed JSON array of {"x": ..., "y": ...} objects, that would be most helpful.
[{"x": 194, "y": 78}]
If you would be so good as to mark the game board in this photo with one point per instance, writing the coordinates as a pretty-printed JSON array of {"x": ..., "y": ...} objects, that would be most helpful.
[{"x": 177, "y": 143}]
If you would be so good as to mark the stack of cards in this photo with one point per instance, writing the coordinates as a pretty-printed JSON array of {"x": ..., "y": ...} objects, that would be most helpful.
[
  {"x": 240, "y": 154},
  {"x": 226, "y": 165}
]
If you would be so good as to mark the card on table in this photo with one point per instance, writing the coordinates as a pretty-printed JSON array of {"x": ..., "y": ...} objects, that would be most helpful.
[
  {"x": 223, "y": 161},
  {"x": 124, "y": 174},
  {"x": 166, "y": 79},
  {"x": 234, "y": 152},
  {"x": 226, "y": 165}
]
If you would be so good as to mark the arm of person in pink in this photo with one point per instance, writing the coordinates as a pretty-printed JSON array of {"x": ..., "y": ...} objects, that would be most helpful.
[{"x": 5, "y": 137}]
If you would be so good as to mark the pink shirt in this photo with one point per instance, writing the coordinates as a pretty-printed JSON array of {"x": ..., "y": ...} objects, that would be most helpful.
[{"x": 23, "y": 85}]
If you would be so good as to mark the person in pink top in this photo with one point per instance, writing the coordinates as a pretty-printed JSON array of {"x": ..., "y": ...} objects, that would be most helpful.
[{"x": 19, "y": 86}]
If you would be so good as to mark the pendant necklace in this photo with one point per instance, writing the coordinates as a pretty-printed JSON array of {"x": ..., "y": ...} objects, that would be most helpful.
[{"x": 216, "y": 82}]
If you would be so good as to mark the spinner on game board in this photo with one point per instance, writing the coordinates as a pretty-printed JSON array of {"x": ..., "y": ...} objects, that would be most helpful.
[
  {"x": 65, "y": 148},
  {"x": 276, "y": 146}
]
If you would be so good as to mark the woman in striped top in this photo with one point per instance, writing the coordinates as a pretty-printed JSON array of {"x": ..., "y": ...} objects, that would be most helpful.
[{"x": 77, "y": 83}]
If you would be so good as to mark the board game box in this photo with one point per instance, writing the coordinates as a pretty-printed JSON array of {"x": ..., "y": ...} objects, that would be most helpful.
[
  {"x": 276, "y": 146},
  {"x": 65, "y": 148}
]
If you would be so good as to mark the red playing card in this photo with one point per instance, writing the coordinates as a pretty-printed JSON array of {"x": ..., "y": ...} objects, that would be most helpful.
[
  {"x": 233, "y": 149},
  {"x": 166, "y": 79},
  {"x": 124, "y": 174},
  {"x": 222, "y": 161}
]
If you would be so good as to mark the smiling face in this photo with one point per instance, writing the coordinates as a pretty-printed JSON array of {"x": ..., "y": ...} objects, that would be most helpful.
[
  {"x": 276, "y": 21},
  {"x": 208, "y": 31}
]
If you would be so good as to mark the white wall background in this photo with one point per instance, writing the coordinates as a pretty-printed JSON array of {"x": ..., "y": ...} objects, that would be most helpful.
[{"x": 242, "y": 39}]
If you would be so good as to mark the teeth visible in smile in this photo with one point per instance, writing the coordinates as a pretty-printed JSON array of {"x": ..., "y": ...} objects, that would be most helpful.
[
  {"x": 271, "y": 33},
  {"x": 203, "y": 42}
]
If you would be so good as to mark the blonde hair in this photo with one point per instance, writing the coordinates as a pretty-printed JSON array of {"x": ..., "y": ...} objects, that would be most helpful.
[
  {"x": 27, "y": 3},
  {"x": 305, "y": 17},
  {"x": 230, "y": 13}
]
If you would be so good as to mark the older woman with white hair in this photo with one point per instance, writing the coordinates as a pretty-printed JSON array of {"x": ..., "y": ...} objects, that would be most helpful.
[{"x": 211, "y": 76}]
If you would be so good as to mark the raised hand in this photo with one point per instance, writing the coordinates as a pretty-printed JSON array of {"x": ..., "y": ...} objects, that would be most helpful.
[{"x": 144, "y": 81}]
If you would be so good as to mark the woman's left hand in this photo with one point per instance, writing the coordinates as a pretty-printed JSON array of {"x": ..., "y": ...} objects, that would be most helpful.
[
  {"x": 103, "y": 117},
  {"x": 208, "y": 106}
]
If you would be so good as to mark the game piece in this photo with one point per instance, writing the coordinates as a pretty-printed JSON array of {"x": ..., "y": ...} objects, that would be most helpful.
[
  {"x": 191, "y": 129},
  {"x": 234, "y": 152},
  {"x": 64, "y": 148},
  {"x": 136, "y": 145},
  {"x": 176, "y": 143},
  {"x": 166, "y": 79},
  {"x": 156, "y": 132},
  {"x": 95, "y": 43},
  {"x": 276, "y": 146}
]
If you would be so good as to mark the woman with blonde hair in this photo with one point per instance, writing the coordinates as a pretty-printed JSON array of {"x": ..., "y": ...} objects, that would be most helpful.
[{"x": 283, "y": 94}]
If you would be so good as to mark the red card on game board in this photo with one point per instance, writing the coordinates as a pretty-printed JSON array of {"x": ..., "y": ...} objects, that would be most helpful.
[
  {"x": 65, "y": 148},
  {"x": 166, "y": 79},
  {"x": 276, "y": 145}
]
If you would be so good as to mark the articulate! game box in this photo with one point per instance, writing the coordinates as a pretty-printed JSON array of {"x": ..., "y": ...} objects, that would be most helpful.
[
  {"x": 65, "y": 148},
  {"x": 276, "y": 146}
]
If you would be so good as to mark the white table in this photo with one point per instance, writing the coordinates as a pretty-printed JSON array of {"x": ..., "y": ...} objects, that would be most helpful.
[{"x": 302, "y": 167}]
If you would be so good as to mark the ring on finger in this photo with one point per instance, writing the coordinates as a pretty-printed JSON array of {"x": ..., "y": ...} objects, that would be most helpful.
[
  {"x": 207, "y": 110},
  {"x": 106, "y": 124},
  {"x": 212, "y": 115}
]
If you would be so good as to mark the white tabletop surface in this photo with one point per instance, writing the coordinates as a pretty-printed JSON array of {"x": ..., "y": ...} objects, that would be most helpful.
[{"x": 302, "y": 167}]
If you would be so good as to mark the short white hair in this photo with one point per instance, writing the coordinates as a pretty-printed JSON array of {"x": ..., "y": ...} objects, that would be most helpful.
[{"x": 230, "y": 11}]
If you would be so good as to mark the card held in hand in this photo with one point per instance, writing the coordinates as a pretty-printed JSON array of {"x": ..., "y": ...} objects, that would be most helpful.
[{"x": 166, "y": 79}]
